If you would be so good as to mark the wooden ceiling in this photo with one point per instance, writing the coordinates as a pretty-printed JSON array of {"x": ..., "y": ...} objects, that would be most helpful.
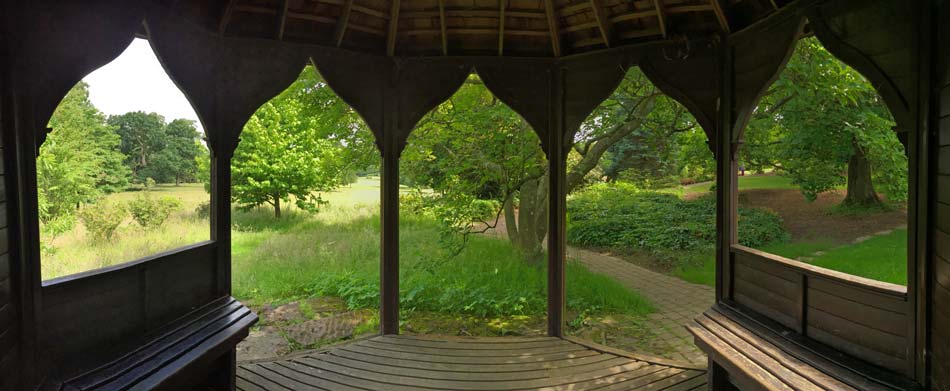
[{"x": 524, "y": 28}]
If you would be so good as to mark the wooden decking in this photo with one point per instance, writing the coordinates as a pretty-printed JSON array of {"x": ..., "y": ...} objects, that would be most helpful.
[{"x": 452, "y": 363}]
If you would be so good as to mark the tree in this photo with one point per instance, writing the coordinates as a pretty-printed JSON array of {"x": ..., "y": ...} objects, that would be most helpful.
[
  {"x": 142, "y": 138},
  {"x": 473, "y": 144},
  {"x": 182, "y": 147},
  {"x": 79, "y": 160},
  {"x": 825, "y": 126},
  {"x": 302, "y": 142}
]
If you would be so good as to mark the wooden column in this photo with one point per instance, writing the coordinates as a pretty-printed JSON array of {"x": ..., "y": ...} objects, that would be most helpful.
[
  {"x": 221, "y": 214},
  {"x": 726, "y": 177},
  {"x": 389, "y": 220},
  {"x": 557, "y": 197}
]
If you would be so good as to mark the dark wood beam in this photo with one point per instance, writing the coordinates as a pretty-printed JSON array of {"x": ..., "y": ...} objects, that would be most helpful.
[
  {"x": 341, "y": 24},
  {"x": 502, "y": 5},
  {"x": 552, "y": 27},
  {"x": 557, "y": 197},
  {"x": 393, "y": 26},
  {"x": 226, "y": 16},
  {"x": 660, "y": 16},
  {"x": 720, "y": 15},
  {"x": 445, "y": 36},
  {"x": 281, "y": 19},
  {"x": 600, "y": 13}
]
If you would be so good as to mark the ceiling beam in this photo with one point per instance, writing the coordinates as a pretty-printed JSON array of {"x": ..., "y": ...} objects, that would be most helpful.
[
  {"x": 502, "y": 4},
  {"x": 600, "y": 13},
  {"x": 281, "y": 19},
  {"x": 344, "y": 20},
  {"x": 720, "y": 15},
  {"x": 774, "y": 4},
  {"x": 393, "y": 25},
  {"x": 660, "y": 16},
  {"x": 552, "y": 27},
  {"x": 445, "y": 36},
  {"x": 226, "y": 16}
]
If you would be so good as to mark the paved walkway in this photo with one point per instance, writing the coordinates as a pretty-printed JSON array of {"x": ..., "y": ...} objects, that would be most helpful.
[{"x": 678, "y": 302}]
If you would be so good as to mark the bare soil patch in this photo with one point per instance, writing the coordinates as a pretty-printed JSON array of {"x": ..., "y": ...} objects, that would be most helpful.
[{"x": 816, "y": 221}]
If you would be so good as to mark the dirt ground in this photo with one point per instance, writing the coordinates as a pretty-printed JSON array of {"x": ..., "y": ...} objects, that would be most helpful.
[{"x": 815, "y": 221}]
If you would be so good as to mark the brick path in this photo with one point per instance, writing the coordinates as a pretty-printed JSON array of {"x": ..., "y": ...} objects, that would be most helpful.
[{"x": 677, "y": 302}]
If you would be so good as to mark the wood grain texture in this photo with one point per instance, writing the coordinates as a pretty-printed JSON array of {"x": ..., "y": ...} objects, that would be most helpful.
[
  {"x": 403, "y": 363},
  {"x": 760, "y": 359}
]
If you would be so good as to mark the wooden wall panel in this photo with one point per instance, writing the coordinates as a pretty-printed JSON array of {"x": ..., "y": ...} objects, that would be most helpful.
[
  {"x": 862, "y": 318},
  {"x": 84, "y": 316},
  {"x": 940, "y": 310},
  {"x": 9, "y": 319}
]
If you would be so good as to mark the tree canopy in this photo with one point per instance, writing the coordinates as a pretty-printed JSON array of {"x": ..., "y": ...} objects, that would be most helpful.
[
  {"x": 304, "y": 141},
  {"x": 153, "y": 149},
  {"x": 825, "y": 126}
]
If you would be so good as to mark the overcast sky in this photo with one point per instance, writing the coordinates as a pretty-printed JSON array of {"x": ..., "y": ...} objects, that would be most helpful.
[{"x": 135, "y": 81}]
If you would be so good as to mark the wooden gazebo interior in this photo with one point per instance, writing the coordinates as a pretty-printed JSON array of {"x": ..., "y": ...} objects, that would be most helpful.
[{"x": 168, "y": 321}]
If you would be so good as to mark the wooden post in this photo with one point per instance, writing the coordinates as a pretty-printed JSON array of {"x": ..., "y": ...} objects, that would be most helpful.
[
  {"x": 389, "y": 221},
  {"x": 557, "y": 167},
  {"x": 221, "y": 214},
  {"x": 726, "y": 178}
]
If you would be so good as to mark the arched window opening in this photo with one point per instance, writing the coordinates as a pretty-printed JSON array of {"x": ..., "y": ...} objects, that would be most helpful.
[
  {"x": 639, "y": 213},
  {"x": 305, "y": 222},
  {"x": 119, "y": 173},
  {"x": 823, "y": 153}
]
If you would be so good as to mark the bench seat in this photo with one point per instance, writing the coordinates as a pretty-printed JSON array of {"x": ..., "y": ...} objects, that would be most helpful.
[
  {"x": 758, "y": 358},
  {"x": 184, "y": 349}
]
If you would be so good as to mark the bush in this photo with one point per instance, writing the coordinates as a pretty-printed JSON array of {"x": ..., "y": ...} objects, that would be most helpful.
[
  {"x": 150, "y": 212},
  {"x": 102, "y": 220},
  {"x": 485, "y": 209},
  {"x": 620, "y": 215}
]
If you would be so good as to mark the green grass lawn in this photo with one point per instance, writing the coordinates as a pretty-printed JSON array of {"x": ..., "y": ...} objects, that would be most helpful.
[
  {"x": 749, "y": 182},
  {"x": 336, "y": 253},
  {"x": 881, "y": 258}
]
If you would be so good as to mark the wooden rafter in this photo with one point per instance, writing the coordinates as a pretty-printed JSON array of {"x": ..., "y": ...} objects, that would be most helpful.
[
  {"x": 393, "y": 25},
  {"x": 344, "y": 20},
  {"x": 603, "y": 24},
  {"x": 720, "y": 15},
  {"x": 552, "y": 27},
  {"x": 226, "y": 16},
  {"x": 502, "y": 4},
  {"x": 472, "y": 13},
  {"x": 442, "y": 27},
  {"x": 774, "y": 4},
  {"x": 281, "y": 19},
  {"x": 660, "y": 16}
]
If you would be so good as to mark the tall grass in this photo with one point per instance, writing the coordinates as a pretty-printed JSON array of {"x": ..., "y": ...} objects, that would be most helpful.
[{"x": 336, "y": 253}]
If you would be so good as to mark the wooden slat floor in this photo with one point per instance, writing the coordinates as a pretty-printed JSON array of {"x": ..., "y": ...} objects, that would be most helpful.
[{"x": 451, "y": 363}]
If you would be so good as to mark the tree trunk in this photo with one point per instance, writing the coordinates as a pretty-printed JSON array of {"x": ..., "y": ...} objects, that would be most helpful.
[
  {"x": 277, "y": 207},
  {"x": 860, "y": 188}
]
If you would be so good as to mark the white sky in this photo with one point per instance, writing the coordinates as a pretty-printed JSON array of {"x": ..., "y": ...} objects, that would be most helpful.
[{"x": 135, "y": 81}]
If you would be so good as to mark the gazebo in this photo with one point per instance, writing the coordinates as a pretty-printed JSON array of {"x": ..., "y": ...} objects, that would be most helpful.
[{"x": 168, "y": 321}]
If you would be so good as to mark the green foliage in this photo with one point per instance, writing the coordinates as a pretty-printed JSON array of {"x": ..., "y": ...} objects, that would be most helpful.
[
  {"x": 150, "y": 212},
  {"x": 154, "y": 149},
  {"x": 78, "y": 160},
  {"x": 621, "y": 215},
  {"x": 816, "y": 116},
  {"x": 304, "y": 141},
  {"x": 488, "y": 278},
  {"x": 102, "y": 220}
]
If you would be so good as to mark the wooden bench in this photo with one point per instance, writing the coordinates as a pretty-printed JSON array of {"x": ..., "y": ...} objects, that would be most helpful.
[
  {"x": 752, "y": 355},
  {"x": 188, "y": 348}
]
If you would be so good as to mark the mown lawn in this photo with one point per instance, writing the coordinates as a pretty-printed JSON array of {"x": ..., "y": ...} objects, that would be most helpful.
[
  {"x": 749, "y": 182},
  {"x": 881, "y": 258}
]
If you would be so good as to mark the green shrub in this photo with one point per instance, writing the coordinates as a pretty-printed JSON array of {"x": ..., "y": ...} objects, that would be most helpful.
[
  {"x": 620, "y": 215},
  {"x": 102, "y": 220},
  {"x": 151, "y": 212},
  {"x": 485, "y": 209}
]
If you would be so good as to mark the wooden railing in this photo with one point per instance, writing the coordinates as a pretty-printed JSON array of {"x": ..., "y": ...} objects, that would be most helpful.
[
  {"x": 84, "y": 313},
  {"x": 868, "y": 319}
]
